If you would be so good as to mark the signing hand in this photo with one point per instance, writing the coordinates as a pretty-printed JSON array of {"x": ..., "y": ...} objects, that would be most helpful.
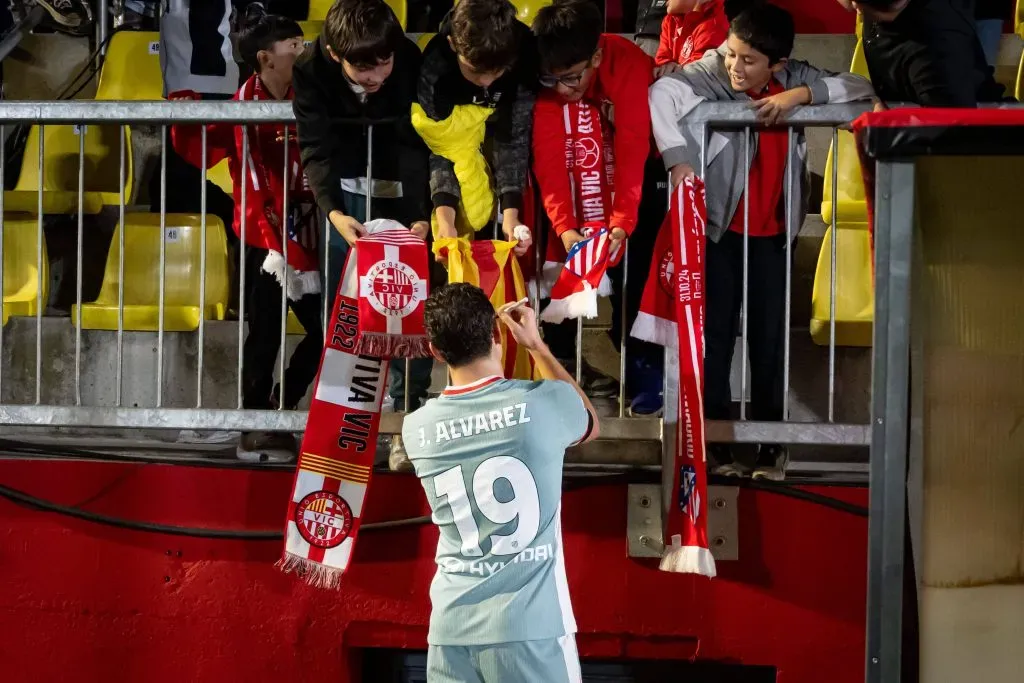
[
  {"x": 347, "y": 227},
  {"x": 771, "y": 110},
  {"x": 522, "y": 323}
]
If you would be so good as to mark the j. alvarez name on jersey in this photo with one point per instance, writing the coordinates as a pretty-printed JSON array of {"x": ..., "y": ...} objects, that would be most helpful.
[{"x": 480, "y": 423}]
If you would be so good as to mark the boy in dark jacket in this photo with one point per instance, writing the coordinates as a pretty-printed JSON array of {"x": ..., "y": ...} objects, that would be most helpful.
[
  {"x": 484, "y": 56},
  {"x": 363, "y": 67}
]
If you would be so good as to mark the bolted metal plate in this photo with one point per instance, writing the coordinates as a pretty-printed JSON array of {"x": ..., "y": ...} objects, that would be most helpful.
[{"x": 644, "y": 529}]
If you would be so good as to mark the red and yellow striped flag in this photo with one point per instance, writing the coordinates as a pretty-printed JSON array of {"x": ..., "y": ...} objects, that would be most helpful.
[{"x": 491, "y": 266}]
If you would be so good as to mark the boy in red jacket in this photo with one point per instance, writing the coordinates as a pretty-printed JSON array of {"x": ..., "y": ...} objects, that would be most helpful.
[
  {"x": 593, "y": 109},
  {"x": 270, "y": 46},
  {"x": 691, "y": 28}
]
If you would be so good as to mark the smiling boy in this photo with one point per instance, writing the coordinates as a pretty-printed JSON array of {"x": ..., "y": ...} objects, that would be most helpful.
[{"x": 752, "y": 66}]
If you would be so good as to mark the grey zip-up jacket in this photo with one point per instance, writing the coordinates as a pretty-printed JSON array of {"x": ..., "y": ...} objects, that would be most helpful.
[{"x": 673, "y": 97}]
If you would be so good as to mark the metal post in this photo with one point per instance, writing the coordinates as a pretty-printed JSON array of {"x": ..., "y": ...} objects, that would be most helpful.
[
  {"x": 369, "y": 173},
  {"x": 746, "y": 273},
  {"x": 623, "y": 332},
  {"x": 162, "y": 275},
  {"x": 39, "y": 273},
  {"x": 894, "y": 222},
  {"x": 284, "y": 284},
  {"x": 579, "y": 351},
  {"x": 3, "y": 170},
  {"x": 202, "y": 277},
  {"x": 327, "y": 269},
  {"x": 78, "y": 269},
  {"x": 832, "y": 280},
  {"x": 102, "y": 24},
  {"x": 790, "y": 161},
  {"x": 120, "y": 268},
  {"x": 241, "y": 260}
]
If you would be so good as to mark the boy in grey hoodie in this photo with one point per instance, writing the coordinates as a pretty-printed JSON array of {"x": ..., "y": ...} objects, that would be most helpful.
[{"x": 752, "y": 66}]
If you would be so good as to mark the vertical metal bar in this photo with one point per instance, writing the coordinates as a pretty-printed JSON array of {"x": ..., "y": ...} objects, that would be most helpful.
[
  {"x": 120, "y": 269},
  {"x": 579, "y": 350},
  {"x": 790, "y": 162},
  {"x": 746, "y": 273},
  {"x": 832, "y": 281},
  {"x": 3, "y": 173},
  {"x": 538, "y": 262},
  {"x": 369, "y": 173},
  {"x": 39, "y": 272},
  {"x": 202, "y": 277},
  {"x": 241, "y": 258},
  {"x": 894, "y": 224},
  {"x": 623, "y": 333},
  {"x": 407, "y": 367},
  {"x": 78, "y": 269},
  {"x": 162, "y": 275},
  {"x": 284, "y": 285},
  {"x": 102, "y": 25},
  {"x": 327, "y": 270}
]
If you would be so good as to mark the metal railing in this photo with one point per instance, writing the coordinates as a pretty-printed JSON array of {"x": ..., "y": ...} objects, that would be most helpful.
[{"x": 201, "y": 414}]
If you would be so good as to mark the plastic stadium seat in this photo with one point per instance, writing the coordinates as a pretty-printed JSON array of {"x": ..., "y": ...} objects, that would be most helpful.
[
  {"x": 142, "y": 273},
  {"x": 850, "y": 185},
  {"x": 1019, "y": 90},
  {"x": 131, "y": 69},
  {"x": 855, "y": 294},
  {"x": 1018, "y": 19},
  {"x": 526, "y": 10},
  {"x": 424, "y": 39},
  {"x": 311, "y": 31},
  {"x": 21, "y": 267},
  {"x": 318, "y": 10}
]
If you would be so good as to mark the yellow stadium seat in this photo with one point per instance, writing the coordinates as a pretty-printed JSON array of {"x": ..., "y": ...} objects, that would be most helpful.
[
  {"x": 424, "y": 39},
  {"x": 855, "y": 293},
  {"x": 526, "y": 10},
  {"x": 859, "y": 30},
  {"x": 1018, "y": 20},
  {"x": 311, "y": 31},
  {"x": 142, "y": 272},
  {"x": 60, "y": 169},
  {"x": 850, "y": 185},
  {"x": 22, "y": 265},
  {"x": 1019, "y": 90},
  {"x": 131, "y": 69},
  {"x": 318, "y": 10}
]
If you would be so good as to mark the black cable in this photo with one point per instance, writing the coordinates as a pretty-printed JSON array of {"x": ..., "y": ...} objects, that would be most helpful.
[
  {"x": 88, "y": 63},
  {"x": 22, "y": 498},
  {"x": 789, "y": 490}
]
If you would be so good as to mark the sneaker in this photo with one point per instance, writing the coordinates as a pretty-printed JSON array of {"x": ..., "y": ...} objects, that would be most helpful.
[
  {"x": 647, "y": 404},
  {"x": 398, "y": 459},
  {"x": 594, "y": 383},
  {"x": 724, "y": 464},
  {"x": 68, "y": 16},
  {"x": 771, "y": 463},
  {"x": 266, "y": 447},
  {"x": 645, "y": 384}
]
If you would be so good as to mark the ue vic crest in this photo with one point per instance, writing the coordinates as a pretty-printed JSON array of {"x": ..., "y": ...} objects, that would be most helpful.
[{"x": 392, "y": 288}]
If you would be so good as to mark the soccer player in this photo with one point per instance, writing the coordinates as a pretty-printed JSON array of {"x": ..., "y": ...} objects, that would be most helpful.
[{"x": 489, "y": 454}]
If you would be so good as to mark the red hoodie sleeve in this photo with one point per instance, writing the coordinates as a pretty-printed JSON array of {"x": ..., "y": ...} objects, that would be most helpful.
[
  {"x": 187, "y": 141},
  {"x": 626, "y": 81},
  {"x": 549, "y": 163},
  {"x": 664, "y": 54}
]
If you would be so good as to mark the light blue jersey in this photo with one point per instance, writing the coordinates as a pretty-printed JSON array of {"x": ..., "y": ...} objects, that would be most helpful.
[{"x": 489, "y": 456}]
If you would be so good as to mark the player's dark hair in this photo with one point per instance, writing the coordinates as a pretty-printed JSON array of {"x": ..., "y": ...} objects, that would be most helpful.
[
  {"x": 262, "y": 34},
  {"x": 460, "y": 323},
  {"x": 362, "y": 32},
  {"x": 567, "y": 33},
  {"x": 766, "y": 28},
  {"x": 484, "y": 33}
]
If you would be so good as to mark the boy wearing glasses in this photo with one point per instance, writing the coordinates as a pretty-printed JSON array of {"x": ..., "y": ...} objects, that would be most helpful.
[
  {"x": 483, "y": 56},
  {"x": 591, "y": 143}
]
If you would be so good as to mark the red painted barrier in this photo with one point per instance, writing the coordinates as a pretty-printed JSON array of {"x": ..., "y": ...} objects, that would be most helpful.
[{"x": 83, "y": 602}]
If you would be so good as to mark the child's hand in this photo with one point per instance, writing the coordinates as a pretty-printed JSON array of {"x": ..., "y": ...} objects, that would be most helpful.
[
  {"x": 771, "y": 110},
  {"x": 420, "y": 229},
  {"x": 681, "y": 172},
  {"x": 570, "y": 237},
  {"x": 666, "y": 69},
  {"x": 618, "y": 236},
  {"x": 347, "y": 227}
]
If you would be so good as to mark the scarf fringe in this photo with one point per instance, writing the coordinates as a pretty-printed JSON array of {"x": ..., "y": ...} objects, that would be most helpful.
[
  {"x": 300, "y": 283},
  {"x": 392, "y": 346},
  {"x": 578, "y": 304},
  {"x": 651, "y": 328},
  {"x": 687, "y": 559},
  {"x": 313, "y": 573}
]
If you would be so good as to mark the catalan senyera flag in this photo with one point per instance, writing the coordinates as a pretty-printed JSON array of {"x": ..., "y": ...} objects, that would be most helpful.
[{"x": 491, "y": 266}]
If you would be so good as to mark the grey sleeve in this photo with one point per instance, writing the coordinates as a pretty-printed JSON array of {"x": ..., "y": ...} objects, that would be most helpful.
[
  {"x": 512, "y": 155},
  {"x": 568, "y": 419},
  {"x": 828, "y": 86},
  {"x": 444, "y": 186}
]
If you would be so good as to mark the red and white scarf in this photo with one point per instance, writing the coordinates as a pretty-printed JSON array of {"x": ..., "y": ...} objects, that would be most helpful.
[
  {"x": 582, "y": 278},
  {"x": 590, "y": 163},
  {"x": 336, "y": 459},
  {"x": 673, "y": 302},
  {"x": 394, "y": 270}
]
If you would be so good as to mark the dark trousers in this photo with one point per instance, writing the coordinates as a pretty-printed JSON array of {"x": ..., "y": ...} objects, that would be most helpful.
[
  {"x": 766, "y": 319},
  {"x": 263, "y": 342}
]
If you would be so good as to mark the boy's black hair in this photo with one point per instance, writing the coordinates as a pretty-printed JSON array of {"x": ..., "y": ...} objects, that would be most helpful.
[
  {"x": 766, "y": 28},
  {"x": 567, "y": 33},
  {"x": 460, "y": 323},
  {"x": 362, "y": 32},
  {"x": 484, "y": 33},
  {"x": 262, "y": 34}
]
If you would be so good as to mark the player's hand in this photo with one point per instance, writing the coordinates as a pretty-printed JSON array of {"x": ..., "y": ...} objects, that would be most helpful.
[
  {"x": 347, "y": 227},
  {"x": 570, "y": 237},
  {"x": 681, "y": 172},
  {"x": 421, "y": 229},
  {"x": 522, "y": 323},
  {"x": 618, "y": 236},
  {"x": 771, "y": 110},
  {"x": 666, "y": 69}
]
